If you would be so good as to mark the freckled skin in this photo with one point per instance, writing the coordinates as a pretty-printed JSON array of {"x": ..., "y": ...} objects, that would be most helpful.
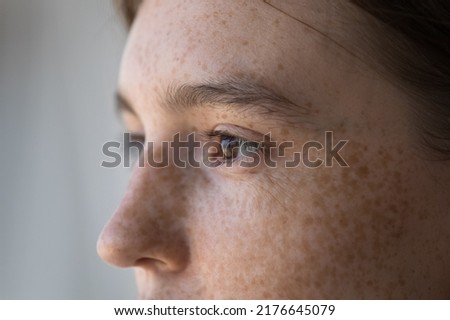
[{"x": 377, "y": 229}]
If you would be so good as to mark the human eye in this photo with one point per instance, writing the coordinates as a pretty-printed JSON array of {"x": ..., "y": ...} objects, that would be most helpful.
[
  {"x": 133, "y": 140},
  {"x": 133, "y": 129},
  {"x": 226, "y": 149}
]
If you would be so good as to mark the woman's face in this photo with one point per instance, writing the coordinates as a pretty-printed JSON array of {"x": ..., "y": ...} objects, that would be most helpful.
[{"x": 377, "y": 227}]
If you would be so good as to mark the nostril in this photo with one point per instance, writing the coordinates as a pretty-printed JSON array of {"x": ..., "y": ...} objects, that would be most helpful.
[
  {"x": 152, "y": 264},
  {"x": 158, "y": 265},
  {"x": 121, "y": 247}
]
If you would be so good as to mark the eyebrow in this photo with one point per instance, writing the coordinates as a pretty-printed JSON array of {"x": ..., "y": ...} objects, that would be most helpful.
[{"x": 237, "y": 94}]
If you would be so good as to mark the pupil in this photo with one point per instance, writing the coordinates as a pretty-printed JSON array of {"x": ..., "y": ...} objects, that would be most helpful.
[{"x": 230, "y": 147}]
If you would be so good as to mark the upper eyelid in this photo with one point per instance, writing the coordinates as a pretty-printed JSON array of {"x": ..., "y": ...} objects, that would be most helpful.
[
  {"x": 209, "y": 135},
  {"x": 128, "y": 116},
  {"x": 122, "y": 105},
  {"x": 238, "y": 132},
  {"x": 224, "y": 134}
]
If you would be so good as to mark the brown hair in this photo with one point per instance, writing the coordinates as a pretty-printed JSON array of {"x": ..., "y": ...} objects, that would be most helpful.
[
  {"x": 413, "y": 40},
  {"x": 413, "y": 44}
]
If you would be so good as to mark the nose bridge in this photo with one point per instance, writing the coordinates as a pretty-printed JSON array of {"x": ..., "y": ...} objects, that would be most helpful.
[{"x": 148, "y": 228}]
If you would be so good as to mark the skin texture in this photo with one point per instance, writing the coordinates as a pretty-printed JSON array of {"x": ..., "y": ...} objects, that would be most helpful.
[{"x": 377, "y": 229}]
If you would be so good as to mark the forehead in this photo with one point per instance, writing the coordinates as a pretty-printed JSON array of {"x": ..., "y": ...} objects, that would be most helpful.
[
  {"x": 281, "y": 44},
  {"x": 229, "y": 25}
]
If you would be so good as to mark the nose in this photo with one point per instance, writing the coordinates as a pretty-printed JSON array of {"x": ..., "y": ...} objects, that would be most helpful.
[{"x": 148, "y": 229}]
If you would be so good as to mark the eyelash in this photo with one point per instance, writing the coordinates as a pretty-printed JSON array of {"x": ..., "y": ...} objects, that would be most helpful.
[{"x": 220, "y": 136}]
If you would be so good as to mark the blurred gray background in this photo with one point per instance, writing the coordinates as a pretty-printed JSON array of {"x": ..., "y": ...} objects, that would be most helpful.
[{"x": 59, "y": 61}]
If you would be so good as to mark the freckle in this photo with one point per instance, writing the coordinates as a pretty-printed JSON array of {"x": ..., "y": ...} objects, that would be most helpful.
[
  {"x": 319, "y": 220},
  {"x": 245, "y": 43},
  {"x": 307, "y": 221},
  {"x": 393, "y": 208},
  {"x": 285, "y": 131},
  {"x": 318, "y": 201},
  {"x": 308, "y": 104},
  {"x": 280, "y": 66},
  {"x": 277, "y": 22},
  {"x": 224, "y": 116},
  {"x": 363, "y": 172},
  {"x": 343, "y": 221}
]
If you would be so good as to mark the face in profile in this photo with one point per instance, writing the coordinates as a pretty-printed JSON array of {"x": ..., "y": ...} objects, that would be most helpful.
[{"x": 364, "y": 215}]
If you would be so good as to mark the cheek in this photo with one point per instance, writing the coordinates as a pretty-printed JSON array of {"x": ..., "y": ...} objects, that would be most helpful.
[{"x": 365, "y": 223}]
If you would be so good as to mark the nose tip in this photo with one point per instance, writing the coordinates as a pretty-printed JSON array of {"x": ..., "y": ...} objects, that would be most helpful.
[
  {"x": 112, "y": 251},
  {"x": 147, "y": 230},
  {"x": 121, "y": 246}
]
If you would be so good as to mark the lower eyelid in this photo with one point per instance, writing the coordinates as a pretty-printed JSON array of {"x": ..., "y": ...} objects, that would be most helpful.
[{"x": 259, "y": 150}]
